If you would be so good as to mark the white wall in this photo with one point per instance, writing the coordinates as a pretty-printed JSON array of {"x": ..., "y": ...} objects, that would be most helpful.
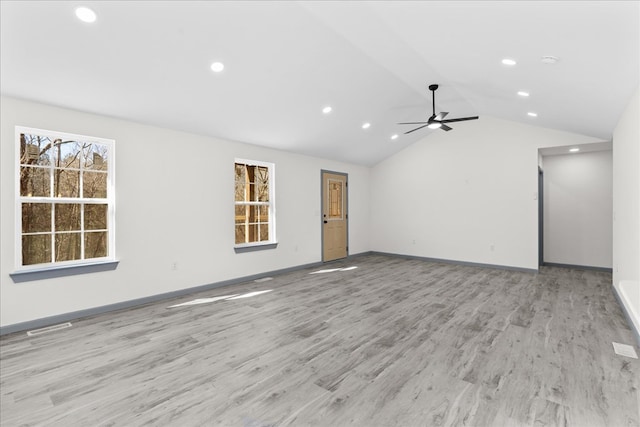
[
  {"x": 174, "y": 195},
  {"x": 626, "y": 202},
  {"x": 466, "y": 195},
  {"x": 578, "y": 209}
]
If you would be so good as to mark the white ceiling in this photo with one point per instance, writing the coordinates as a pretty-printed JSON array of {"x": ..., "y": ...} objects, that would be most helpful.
[{"x": 148, "y": 61}]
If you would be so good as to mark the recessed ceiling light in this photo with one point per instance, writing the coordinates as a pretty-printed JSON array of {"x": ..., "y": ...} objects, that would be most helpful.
[
  {"x": 508, "y": 61},
  {"x": 548, "y": 59},
  {"x": 574, "y": 150},
  {"x": 217, "y": 67},
  {"x": 523, "y": 93},
  {"x": 394, "y": 136},
  {"x": 327, "y": 110},
  {"x": 531, "y": 114},
  {"x": 366, "y": 125},
  {"x": 86, "y": 15}
]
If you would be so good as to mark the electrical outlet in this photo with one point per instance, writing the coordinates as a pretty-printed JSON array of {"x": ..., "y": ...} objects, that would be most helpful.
[{"x": 174, "y": 265}]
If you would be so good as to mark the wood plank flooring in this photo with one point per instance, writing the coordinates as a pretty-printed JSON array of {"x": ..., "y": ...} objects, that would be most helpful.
[{"x": 393, "y": 342}]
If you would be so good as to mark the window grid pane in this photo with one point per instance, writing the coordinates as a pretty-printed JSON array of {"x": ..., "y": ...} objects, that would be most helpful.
[
  {"x": 36, "y": 217},
  {"x": 36, "y": 249},
  {"x": 94, "y": 157},
  {"x": 240, "y": 234},
  {"x": 67, "y": 246},
  {"x": 67, "y": 216},
  {"x": 35, "y": 181},
  {"x": 35, "y": 150},
  {"x": 94, "y": 185},
  {"x": 96, "y": 244},
  {"x": 95, "y": 217},
  {"x": 66, "y": 182}
]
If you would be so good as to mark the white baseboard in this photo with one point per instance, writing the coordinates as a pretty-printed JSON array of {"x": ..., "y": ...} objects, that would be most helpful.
[{"x": 628, "y": 294}]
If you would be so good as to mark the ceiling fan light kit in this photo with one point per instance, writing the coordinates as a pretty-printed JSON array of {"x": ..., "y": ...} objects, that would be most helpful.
[{"x": 436, "y": 120}]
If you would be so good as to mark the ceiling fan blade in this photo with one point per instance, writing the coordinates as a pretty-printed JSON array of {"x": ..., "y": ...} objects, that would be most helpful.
[
  {"x": 413, "y": 130},
  {"x": 445, "y": 127},
  {"x": 462, "y": 119},
  {"x": 413, "y": 123},
  {"x": 441, "y": 116}
]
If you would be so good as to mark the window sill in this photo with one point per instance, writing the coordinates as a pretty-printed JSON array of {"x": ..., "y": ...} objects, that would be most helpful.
[
  {"x": 61, "y": 271},
  {"x": 252, "y": 247}
]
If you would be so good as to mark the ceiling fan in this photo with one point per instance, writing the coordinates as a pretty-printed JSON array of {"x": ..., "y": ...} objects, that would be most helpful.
[{"x": 436, "y": 120}]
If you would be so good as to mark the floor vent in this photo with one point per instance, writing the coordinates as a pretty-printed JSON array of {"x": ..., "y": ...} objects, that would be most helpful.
[
  {"x": 49, "y": 329},
  {"x": 624, "y": 350},
  {"x": 264, "y": 279}
]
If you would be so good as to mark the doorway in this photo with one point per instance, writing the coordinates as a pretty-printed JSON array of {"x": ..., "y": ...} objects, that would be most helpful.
[{"x": 334, "y": 216}]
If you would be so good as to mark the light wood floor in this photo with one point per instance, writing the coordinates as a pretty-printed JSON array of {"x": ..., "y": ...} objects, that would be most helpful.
[{"x": 393, "y": 342}]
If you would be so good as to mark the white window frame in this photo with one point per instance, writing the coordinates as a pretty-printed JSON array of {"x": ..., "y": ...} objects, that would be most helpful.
[
  {"x": 109, "y": 201},
  {"x": 271, "y": 167}
]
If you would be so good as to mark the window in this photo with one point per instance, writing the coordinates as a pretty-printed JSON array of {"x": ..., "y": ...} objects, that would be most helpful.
[
  {"x": 65, "y": 199},
  {"x": 335, "y": 199},
  {"x": 254, "y": 203}
]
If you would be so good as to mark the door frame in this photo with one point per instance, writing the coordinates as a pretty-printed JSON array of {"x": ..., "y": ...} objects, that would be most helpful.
[
  {"x": 540, "y": 217},
  {"x": 322, "y": 206}
]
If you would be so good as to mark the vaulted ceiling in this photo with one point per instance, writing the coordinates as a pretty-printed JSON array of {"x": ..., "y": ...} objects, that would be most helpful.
[{"x": 149, "y": 61}]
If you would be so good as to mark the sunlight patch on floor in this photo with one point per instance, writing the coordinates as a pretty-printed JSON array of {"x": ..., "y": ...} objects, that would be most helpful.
[
  {"x": 221, "y": 298},
  {"x": 203, "y": 301},
  {"x": 250, "y": 294}
]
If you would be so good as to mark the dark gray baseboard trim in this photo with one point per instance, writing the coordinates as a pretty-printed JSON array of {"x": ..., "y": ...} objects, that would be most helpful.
[
  {"x": 578, "y": 267},
  {"x": 636, "y": 333},
  {"x": 75, "y": 315},
  {"x": 349, "y": 257},
  {"x": 454, "y": 262}
]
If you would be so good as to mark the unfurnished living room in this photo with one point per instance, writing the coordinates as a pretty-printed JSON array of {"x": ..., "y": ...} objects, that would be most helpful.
[{"x": 320, "y": 213}]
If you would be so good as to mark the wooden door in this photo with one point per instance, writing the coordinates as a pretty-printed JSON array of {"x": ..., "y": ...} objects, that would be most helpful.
[{"x": 334, "y": 216}]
